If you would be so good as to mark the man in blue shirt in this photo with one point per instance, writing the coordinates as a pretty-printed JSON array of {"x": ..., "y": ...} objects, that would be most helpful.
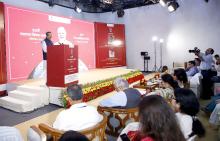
[
  {"x": 191, "y": 68},
  {"x": 124, "y": 98}
]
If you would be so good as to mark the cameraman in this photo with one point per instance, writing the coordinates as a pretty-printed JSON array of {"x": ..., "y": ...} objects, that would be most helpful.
[{"x": 206, "y": 70}]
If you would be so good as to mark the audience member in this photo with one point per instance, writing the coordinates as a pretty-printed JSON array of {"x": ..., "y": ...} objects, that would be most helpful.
[
  {"x": 164, "y": 69},
  {"x": 206, "y": 71},
  {"x": 124, "y": 98},
  {"x": 73, "y": 136},
  {"x": 216, "y": 79},
  {"x": 215, "y": 116},
  {"x": 9, "y": 134},
  {"x": 191, "y": 68},
  {"x": 157, "y": 122},
  {"x": 168, "y": 86},
  {"x": 79, "y": 116},
  {"x": 211, "y": 105},
  {"x": 181, "y": 77},
  {"x": 186, "y": 106},
  {"x": 197, "y": 62}
]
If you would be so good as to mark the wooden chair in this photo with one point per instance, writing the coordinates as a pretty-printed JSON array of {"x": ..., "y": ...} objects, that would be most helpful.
[
  {"x": 97, "y": 131},
  {"x": 35, "y": 134},
  {"x": 123, "y": 116}
]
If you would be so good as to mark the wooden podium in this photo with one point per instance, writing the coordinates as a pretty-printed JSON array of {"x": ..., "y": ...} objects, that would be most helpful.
[{"x": 62, "y": 65}]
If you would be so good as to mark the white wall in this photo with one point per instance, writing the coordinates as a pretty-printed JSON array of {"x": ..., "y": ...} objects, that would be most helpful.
[{"x": 195, "y": 23}]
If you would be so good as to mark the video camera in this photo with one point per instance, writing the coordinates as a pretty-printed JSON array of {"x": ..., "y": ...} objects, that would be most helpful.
[{"x": 195, "y": 50}]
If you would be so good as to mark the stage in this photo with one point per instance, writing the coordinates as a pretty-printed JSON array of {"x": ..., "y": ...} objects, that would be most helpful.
[{"x": 28, "y": 95}]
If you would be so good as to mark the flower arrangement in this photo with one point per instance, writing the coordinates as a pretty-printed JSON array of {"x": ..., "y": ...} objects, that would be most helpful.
[{"x": 95, "y": 89}]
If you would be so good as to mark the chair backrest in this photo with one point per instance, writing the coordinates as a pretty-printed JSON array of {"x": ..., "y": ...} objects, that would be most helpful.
[
  {"x": 35, "y": 134},
  {"x": 121, "y": 116},
  {"x": 97, "y": 131}
]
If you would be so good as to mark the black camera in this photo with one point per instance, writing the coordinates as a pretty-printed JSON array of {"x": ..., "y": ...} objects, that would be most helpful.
[
  {"x": 146, "y": 56},
  {"x": 195, "y": 50}
]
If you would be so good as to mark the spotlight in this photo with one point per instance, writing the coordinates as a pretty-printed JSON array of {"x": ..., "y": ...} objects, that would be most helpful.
[
  {"x": 163, "y": 2},
  {"x": 120, "y": 13},
  {"x": 154, "y": 38},
  {"x": 51, "y": 3},
  {"x": 107, "y": 1},
  {"x": 161, "y": 40},
  {"x": 78, "y": 10},
  {"x": 172, "y": 6}
]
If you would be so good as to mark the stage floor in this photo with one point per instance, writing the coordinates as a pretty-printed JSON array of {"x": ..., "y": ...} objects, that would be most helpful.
[{"x": 85, "y": 77}]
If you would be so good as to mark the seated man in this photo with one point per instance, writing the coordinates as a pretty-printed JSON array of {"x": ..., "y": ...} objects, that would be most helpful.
[
  {"x": 10, "y": 134},
  {"x": 79, "y": 116},
  {"x": 212, "y": 104},
  {"x": 125, "y": 97},
  {"x": 191, "y": 68},
  {"x": 215, "y": 116},
  {"x": 216, "y": 79}
]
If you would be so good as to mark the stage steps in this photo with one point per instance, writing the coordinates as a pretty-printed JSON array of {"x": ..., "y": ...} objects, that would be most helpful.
[
  {"x": 15, "y": 104},
  {"x": 26, "y": 98}
]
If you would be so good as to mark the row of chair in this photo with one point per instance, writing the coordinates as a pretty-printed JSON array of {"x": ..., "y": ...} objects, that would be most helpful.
[{"x": 97, "y": 132}]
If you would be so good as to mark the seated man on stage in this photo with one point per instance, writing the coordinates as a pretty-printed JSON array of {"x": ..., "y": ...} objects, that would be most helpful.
[
  {"x": 79, "y": 116},
  {"x": 124, "y": 98}
]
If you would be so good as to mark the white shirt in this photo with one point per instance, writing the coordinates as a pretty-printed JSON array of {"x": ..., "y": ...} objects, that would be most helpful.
[
  {"x": 77, "y": 117},
  {"x": 207, "y": 61},
  {"x": 134, "y": 126},
  {"x": 9, "y": 134},
  {"x": 44, "y": 46},
  {"x": 118, "y": 99},
  {"x": 185, "y": 122}
]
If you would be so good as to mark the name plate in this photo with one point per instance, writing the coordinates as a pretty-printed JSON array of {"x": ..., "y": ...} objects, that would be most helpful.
[{"x": 70, "y": 78}]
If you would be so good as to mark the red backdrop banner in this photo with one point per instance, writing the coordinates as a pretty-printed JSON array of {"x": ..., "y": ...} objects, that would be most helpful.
[
  {"x": 25, "y": 29},
  {"x": 110, "y": 45}
]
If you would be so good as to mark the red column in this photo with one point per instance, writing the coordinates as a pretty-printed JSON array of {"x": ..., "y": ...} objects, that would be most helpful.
[{"x": 3, "y": 75}]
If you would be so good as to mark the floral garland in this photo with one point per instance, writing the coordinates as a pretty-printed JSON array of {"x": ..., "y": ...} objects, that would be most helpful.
[{"x": 95, "y": 89}]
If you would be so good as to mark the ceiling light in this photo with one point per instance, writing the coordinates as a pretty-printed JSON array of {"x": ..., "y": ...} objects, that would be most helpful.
[
  {"x": 107, "y": 1},
  {"x": 163, "y": 2},
  {"x": 154, "y": 38},
  {"x": 51, "y": 3},
  {"x": 120, "y": 13},
  {"x": 77, "y": 9},
  {"x": 161, "y": 40},
  {"x": 172, "y": 6}
]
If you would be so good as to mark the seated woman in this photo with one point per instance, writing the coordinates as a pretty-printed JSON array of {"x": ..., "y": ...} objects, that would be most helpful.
[
  {"x": 181, "y": 77},
  {"x": 168, "y": 86},
  {"x": 186, "y": 106},
  {"x": 157, "y": 122},
  {"x": 164, "y": 70},
  {"x": 124, "y": 98}
]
